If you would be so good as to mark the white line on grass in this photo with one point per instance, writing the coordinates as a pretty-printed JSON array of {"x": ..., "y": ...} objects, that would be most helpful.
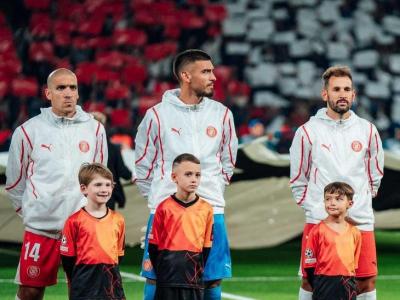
[{"x": 224, "y": 295}]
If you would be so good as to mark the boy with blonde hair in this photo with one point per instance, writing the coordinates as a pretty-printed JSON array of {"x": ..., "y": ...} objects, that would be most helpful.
[
  {"x": 181, "y": 235},
  {"x": 93, "y": 240}
]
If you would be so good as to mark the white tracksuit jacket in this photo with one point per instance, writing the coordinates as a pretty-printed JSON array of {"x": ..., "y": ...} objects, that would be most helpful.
[
  {"x": 323, "y": 151},
  {"x": 45, "y": 155},
  {"x": 170, "y": 128}
]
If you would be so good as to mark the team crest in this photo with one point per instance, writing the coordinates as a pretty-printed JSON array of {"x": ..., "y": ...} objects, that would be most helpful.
[
  {"x": 147, "y": 266},
  {"x": 33, "y": 272},
  {"x": 356, "y": 146},
  {"x": 211, "y": 131},
  {"x": 84, "y": 146}
]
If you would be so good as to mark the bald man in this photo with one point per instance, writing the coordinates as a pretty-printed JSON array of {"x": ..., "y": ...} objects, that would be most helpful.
[{"x": 45, "y": 155}]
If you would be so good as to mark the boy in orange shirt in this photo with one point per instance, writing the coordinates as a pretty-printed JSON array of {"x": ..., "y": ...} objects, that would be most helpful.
[
  {"x": 333, "y": 248},
  {"x": 181, "y": 235},
  {"x": 93, "y": 240}
]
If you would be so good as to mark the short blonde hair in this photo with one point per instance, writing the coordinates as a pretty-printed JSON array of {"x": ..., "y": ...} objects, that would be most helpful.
[{"x": 89, "y": 170}]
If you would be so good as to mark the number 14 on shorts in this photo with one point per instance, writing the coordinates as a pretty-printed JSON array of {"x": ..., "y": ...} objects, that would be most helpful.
[{"x": 32, "y": 251}]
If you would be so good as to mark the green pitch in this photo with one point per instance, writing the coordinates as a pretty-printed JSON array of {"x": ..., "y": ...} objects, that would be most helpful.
[{"x": 258, "y": 274}]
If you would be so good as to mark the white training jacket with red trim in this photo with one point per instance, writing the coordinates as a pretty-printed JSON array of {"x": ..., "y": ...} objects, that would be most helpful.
[
  {"x": 45, "y": 155},
  {"x": 171, "y": 128},
  {"x": 326, "y": 150}
]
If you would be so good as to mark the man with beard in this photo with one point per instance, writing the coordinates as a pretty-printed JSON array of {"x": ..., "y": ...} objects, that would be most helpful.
[
  {"x": 337, "y": 145},
  {"x": 188, "y": 121}
]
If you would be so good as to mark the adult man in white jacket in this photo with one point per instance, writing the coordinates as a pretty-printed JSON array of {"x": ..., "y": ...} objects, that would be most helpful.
[
  {"x": 188, "y": 121},
  {"x": 45, "y": 155},
  {"x": 337, "y": 145}
]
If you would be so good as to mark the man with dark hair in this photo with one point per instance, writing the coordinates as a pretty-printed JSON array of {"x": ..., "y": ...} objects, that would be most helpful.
[
  {"x": 337, "y": 145},
  {"x": 45, "y": 155},
  {"x": 188, "y": 121}
]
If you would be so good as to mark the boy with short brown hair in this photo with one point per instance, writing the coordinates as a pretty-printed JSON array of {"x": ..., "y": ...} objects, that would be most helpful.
[{"x": 333, "y": 248}]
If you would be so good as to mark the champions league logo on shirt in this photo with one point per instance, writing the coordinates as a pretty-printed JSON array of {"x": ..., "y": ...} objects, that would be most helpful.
[
  {"x": 309, "y": 256},
  {"x": 63, "y": 246}
]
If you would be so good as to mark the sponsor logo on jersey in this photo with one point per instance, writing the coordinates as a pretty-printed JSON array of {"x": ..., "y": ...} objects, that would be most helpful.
[
  {"x": 356, "y": 146},
  {"x": 33, "y": 272},
  {"x": 84, "y": 146},
  {"x": 211, "y": 131},
  {"x": 147, "y": 266}
]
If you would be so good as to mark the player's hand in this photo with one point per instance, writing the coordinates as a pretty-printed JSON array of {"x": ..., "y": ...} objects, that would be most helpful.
[{"x": 143, "y": 237}]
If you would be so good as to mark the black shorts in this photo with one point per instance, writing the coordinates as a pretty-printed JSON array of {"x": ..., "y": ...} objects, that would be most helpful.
[
  {"x": 178, "y": 293},
  {"x": 334, "y": 288}
]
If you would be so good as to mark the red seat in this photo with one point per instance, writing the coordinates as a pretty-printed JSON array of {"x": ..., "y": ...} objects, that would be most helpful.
[
  {"x": 6, "y": 34},
  {"x": 236, "y": 87},
  {"x": 145, "y": 102},
  {"x": 110, "y": 59},
  {"x": 40, "y": 25},
  {"x": 121, "y": 117},
  {"x": 7, "y": 46},
  {"x": 80, "y": 43},
  {"x": 63, "y": 26},
  {"x": 130, "y": 37},
  {"x": 90, "y": 106},
  {"x": 61, "y": 63},
  {"x": 61, "y": 39},
  {"x": 190, "y": 20},
  {"x": 41, "y": 51},
  {"x": 223, "y": 73},
  {"x": 155, "y": 52},
  {"x": 24, "y": 87},
  {"x": 37, "y": 4},
  {"x": 10, "y": 64},
  {"x": 71, "y": 10},
  {"x": 117, "y": 91},
  {"x": 3, "y": 19},
  {"x": 215, "y": 13},
  {"x": 101, "y": 42},
  {"x": 91, "y": 27},
  {"x": 104, "y": 75},
  {"x": 3, "y": 88},
  {"x": 161, "y": 86},
  {"x": 135, "y": 74},
  {"x": 85, "y": 72}
]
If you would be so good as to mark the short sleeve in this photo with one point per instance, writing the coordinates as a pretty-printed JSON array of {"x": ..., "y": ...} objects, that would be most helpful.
[{"x": 68, "y": 240}]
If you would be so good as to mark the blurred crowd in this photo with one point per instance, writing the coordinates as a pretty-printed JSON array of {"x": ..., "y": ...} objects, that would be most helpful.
[{"x": 269, "y": 56}]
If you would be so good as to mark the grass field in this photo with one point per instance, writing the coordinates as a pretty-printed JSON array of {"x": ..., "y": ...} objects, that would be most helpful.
[{"x": 258, "y": 274}]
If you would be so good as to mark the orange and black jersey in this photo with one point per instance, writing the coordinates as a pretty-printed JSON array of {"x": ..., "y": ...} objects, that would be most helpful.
[
  {"x": 94, "y": 245},
  {"x": 179, "y": 242},
  {"x": 332, "y": 253},
  {"x": 331, "y": 259}
]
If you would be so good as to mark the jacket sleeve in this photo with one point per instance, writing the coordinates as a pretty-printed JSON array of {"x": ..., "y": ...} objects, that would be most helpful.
[
  {"x": 375, "y": 157},
  {"x": 101, "y": 153},
  {"x": 146, "y": 151},
  {"x": 229, "y": 146},
  {"x": 17, "y": 164},
  {"x": 300, "y": 164}
]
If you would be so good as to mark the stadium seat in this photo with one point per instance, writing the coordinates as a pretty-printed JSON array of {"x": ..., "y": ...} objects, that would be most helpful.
[
  {"x": 41, "y": 51},
  {"x": 130, "y": 37},
  {"x": 63, "y": 26},
  {"x": 37, "y": 4},
  {"x": 40, "y": 25},
  {"x": 24, "y": 87},
  {"x": 155, "y": 52},
  {"x": 135, "y": 74},
  {"x": 145, "y": 102},
  {"x": 105, "y": 75},
  {"x": 85, "y": 72},
  {"x": 117, "y": 91},
  {"x": 91, "y": 27},
  {"x": 101, "y": 42},
  {"x": 121, "y": 117},
  {"x": 110, "y": 59},
  {"x": 3, "y": 88},
  {"x": 215, "y": 13}
]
